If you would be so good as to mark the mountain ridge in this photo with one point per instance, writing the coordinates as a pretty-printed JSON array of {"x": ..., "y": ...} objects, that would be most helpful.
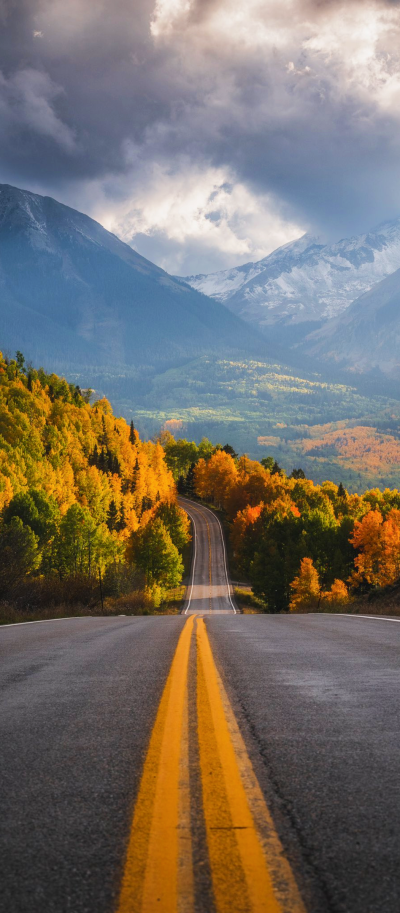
[
  {"x": 305, "y": 281},
  {"x": 77, "y": 294},
  {"x": 366, "y": 337}
]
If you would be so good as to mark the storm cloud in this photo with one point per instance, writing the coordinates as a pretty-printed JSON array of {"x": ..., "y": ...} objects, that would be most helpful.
[{"x": 205, "y": 132}]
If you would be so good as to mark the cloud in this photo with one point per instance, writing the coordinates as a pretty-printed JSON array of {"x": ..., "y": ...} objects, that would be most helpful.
[
  {"x": 140, "y": 112},
  {"x": 27, "y": 101},
  {"x": 191, "y": 218}
]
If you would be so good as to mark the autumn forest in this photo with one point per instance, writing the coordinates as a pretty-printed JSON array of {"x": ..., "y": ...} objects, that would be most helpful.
[
  {"x": 89, "y": 510},
  {"x": 302, "y": 546},
  {"x": 90, "y": 519}
]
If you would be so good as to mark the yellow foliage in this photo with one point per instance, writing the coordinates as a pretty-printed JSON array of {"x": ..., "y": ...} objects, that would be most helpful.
[
  {"x": 337, "y": 594},
  {"x": 305, "y": 588},
  {"x": 378, "y": 540},
  {"x": 214, "y": 478},
  {"x": 54, "y": 441}
]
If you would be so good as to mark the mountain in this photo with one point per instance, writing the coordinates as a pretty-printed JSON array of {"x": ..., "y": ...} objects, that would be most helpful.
[
  {"x": 305, "y": 283},
  {"x": 366, "y": 337},
  {"x": 73, "y": 295}
]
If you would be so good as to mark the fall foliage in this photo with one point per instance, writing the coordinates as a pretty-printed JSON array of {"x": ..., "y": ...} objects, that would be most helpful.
[
  {"x": 300, "y": 544},
  {"x": 77, "y": 485},
  {"x": 378, "y": 541},
  {"x": 305, "y": 587},
  {"x": 307, "y": 594}
]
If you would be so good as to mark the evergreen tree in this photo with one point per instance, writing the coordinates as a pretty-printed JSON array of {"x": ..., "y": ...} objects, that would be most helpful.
[
  {"x": 112, "y": 517},
  {"x": 20, "y": 361},
  {"x": 188, "y": 483},
  {"x": 298, "y": 474},
  {"x": 132, "y": 432},
  {"x": 104, "y": 431},
  {"x": 94, "y": 457},
  {"x": 103, "y": 460},
  {"x": 19, "y": 553},
  {"x": 230, "y": 450},
  {"x": 121, "y": 523}
]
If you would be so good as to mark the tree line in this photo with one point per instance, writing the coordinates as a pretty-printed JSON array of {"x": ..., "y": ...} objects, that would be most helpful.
[
  {"x": 301, "y": 545},
  {"x": 81, "y": 496}
]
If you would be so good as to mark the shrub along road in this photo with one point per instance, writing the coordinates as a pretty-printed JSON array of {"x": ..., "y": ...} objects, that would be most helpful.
[{"x": 224, "y": 763}]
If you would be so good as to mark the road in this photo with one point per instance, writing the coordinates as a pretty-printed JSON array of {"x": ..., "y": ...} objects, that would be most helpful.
[
  {"x": 207, "y": 763},
  {"x": 209, "y": 590}
]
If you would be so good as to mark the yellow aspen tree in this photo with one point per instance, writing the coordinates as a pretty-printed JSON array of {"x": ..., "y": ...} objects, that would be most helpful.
[{"x": 305, "y": 588}]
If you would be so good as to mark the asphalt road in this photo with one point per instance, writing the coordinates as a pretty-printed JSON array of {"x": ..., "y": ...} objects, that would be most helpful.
[
  {"x": 78, "y": 701},
  {"x": 209, "y": 590},
  {"x": 317, "y": 700}
]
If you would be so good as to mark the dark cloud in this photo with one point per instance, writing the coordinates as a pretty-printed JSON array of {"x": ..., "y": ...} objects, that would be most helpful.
[{"x": 287, "y": 103}]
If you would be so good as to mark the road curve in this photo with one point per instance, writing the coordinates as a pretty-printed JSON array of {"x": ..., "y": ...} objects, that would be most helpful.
[{"x": 209, "y": 590}]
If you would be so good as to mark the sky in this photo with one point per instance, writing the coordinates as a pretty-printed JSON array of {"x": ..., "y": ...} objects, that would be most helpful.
[{"x": 205, "y": 133}]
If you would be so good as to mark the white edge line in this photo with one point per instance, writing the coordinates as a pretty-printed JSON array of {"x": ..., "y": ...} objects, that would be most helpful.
[
  {"x": 224, "y": 553},
  {"x": 350, "y": 615},
  {"x": 193, "y": 562},
  {"x": 44, "y": 621}
]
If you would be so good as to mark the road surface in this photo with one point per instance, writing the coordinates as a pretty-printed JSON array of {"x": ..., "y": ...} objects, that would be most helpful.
[
  {"x": 209, "y": 590},
  {"x": 201, "y": 764}
]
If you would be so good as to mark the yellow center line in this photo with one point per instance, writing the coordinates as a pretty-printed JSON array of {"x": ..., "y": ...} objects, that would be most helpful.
[
  {"x": 209, "y": 554},
  {"x": 158, "y": 866},
  {"x": 249, "y": 871},
  {"x": 248, "y": 866},
  {"x": 209, "y": 563}
]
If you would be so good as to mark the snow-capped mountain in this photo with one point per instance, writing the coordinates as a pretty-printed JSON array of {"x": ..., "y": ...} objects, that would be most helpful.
[
  {"x": 73, "y": 294},
  {"x": 305, "y": 281}
]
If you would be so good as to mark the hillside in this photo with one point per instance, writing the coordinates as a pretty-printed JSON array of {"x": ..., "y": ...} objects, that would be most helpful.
[
  {"x": 367, "y": 336},
  {"x": 73, "y": 295},
  {"x": 266, "y": 408},
  {"x": 305, "y": 283},
  {"x": 82, "y": 498}
]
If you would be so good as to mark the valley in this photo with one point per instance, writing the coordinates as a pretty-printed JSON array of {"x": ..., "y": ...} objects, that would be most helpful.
[
  {"x": 257, "y": 365},
  {"x": 266, "y": 408}
]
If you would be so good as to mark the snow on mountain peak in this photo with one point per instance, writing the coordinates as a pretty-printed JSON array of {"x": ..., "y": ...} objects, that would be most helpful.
[{"x": 306, "y": 280}]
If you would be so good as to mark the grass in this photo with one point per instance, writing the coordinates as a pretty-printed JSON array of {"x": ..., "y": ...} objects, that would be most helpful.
[
  {"x": 134, "y": 603},
  {"x": 248, "y": 603}
]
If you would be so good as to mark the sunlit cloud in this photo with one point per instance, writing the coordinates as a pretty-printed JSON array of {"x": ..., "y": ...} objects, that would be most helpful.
[
  {"x": 206, "y": 131},
  {"x": 194, "y": 217}
]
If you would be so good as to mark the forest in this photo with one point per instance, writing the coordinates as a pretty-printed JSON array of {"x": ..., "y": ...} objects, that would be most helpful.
[
  {"x": 302, "y": 546},
  {"x": 89, "y": 517},
  {"x": 346, "y": 430}
]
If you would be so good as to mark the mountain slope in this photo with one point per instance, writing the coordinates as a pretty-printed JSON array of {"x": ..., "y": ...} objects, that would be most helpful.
[
  {"x": 367, "y": 335},
  {"x": 71, "y": 293},
  {"x": 305, "y": 281}
]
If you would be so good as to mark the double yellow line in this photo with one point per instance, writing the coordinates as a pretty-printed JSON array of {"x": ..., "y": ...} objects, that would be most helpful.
[
  {"x": 249, "y": 871},
  {"x": 209, "y": 564}
]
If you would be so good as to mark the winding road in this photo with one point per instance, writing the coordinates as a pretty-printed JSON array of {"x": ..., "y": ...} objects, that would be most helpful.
[
  {"x": 210, "y": 591},
  {"x": 205, "y": 763}
]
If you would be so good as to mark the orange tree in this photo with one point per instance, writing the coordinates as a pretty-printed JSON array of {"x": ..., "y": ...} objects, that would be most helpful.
[{"x": 378, "y": 544}]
